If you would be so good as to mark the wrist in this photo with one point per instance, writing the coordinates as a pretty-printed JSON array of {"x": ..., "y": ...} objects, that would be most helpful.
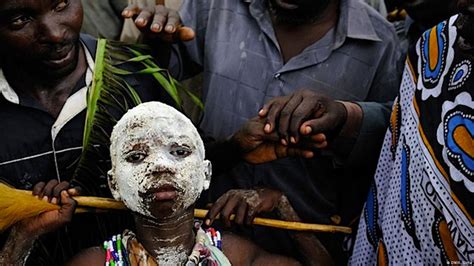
[
  {"x": 353, "y": 120},
  {"x": 22, "y": 232}
]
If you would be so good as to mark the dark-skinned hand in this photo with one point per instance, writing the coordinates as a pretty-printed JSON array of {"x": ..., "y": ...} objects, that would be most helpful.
[
  {"x": 259, "y": 147},
  {"x": 301, "y": 114},
  {"x": 56, "y": 193},
  {"x": 245, "y": 204},
  {"x": 158, "y": 21}
]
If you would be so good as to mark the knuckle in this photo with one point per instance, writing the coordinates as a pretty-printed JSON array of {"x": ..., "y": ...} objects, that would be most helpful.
[
  {"x": 52, "y": 182},
  {"x": 160, "y": 8},
  {"x": 285, "y": 113}
]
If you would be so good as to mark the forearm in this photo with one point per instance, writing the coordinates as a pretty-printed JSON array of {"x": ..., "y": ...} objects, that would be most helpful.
[
  {"x": 313, "y": 252},
  {"x": 346, "y": 137},
  {"x": 17, "y": 247},
  {"x": 362, "y": 148}
]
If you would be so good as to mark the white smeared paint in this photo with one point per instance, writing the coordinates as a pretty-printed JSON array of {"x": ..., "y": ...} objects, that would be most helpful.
[
  {"x": 172, "y": 256},
  {"x": 156, "y": 132}
]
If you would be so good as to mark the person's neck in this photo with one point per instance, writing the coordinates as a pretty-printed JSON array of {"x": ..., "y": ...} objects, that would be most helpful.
[
  {"x": 169, "y": 241},
  {"x": 293, "y": 39}
]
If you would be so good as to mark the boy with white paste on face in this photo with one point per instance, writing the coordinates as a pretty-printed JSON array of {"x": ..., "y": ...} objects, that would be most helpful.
[{"x": 158, "y": 171}]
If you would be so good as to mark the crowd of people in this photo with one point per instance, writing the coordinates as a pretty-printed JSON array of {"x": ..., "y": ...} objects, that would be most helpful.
[{"x": 321, "y": 111}]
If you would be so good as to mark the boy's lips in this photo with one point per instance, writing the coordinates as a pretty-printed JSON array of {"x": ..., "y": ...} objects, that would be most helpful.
[{"x": 165, "y": 193}]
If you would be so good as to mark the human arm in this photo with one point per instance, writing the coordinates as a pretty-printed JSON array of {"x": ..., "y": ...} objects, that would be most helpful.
[
  {"x": 306, "y": 113},
  {"x": 246, "y": 204},
  {"x": 251, "y": 144},
  {"x": 23, "y": 234},
  {"x": 162, "y": 29}
]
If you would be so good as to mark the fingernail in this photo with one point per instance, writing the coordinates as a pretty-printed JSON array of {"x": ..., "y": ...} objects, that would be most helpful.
[
  {"x": 260, "y": 112},
  {"x": 284, "y": 142},
  {"x": 45, "y": 198},
  {"x": 54, "y": 201},
  {"x": 156, "y": 27},
  {"x": 267, "y": 128},
  {"x": 293, "y": 140},
  {"x": 140, "y": 21},
  {"x": 208, "y": 222},
  {"x": 169, "y": 28},
  {"x": 308, "y": 130}
]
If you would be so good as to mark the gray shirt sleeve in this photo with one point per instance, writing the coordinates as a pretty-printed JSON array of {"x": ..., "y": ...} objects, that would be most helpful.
[{"x": 376, "y": 111}]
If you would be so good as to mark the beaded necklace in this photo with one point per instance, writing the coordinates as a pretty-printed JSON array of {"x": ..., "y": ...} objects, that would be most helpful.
[{"x": 206, "y": 250}]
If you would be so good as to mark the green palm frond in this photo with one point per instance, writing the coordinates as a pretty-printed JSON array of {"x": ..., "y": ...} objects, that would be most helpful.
[{"x": 110, "y": 96}]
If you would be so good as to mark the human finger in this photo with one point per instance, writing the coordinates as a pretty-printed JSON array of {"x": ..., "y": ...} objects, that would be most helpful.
[
  {"x": 159, "y": 19},
  {"x": 64, "y": 185},
  {"x": 302, "y": 112},
  {"x": 274, "y": 113},
  {"x": 74, "y": 191},
  {"x": 293, "y": 151},
  {"x": 317, "y": 141},
  {"x": 48, "y": 190},
  {"x": 286, "y": 116},
  {"x": 320, "y": 145},
  {"x": 185, "y": 34},
  {"x": 173, "y": 21},
  {"x": 316, "y": 126},
  {"x": 251, "y": 213},
  {"x": 228, "y": 210},
  {"x": 68, "y": 206},
  {"x": 38, "y": 188},
  {"x": 241, "y": 213},
  {"x": 215, "y": 209},
  {"x": 144, "y": 18},
  {"x": 130, "y": 11},
  {"x": 263, "y": 113}
]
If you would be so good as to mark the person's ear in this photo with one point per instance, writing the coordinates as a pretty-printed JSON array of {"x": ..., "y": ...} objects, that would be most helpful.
[
  {"x": 207, "y": 174},
  {"x": 113, "y": 185}
]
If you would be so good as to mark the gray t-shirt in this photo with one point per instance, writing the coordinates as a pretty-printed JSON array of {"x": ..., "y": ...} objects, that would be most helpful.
[{"x": 239, "y": 55}]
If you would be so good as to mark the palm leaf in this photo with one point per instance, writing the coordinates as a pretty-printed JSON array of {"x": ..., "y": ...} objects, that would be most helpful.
[{"x": 110, "y": 96}]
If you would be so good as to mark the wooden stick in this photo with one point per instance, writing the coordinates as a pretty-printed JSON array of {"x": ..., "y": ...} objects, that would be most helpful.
[
  {"x": 294, "y": 226},
  {"x": 103, "y": 204}
]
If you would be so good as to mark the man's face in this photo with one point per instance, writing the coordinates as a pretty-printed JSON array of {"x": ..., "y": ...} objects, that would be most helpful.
[
  {"x": 41, "y": 35},
  {"x": 297, "y": 12},
  {"x": 158, "y": 162}
]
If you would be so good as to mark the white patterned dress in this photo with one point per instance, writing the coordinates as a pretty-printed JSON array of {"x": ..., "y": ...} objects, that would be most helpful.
[{"x": 420, "y": 208}]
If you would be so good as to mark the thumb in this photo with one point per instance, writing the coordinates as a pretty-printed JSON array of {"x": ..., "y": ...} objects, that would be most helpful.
[
  {"x": 185, "y": 34},
  {"x": 316, "y": 126},
  {"x": 68, "y": 206}
]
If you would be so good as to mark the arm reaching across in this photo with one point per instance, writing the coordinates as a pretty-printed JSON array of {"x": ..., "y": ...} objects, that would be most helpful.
[
  {"x": 22, "y": 236},
  {"x": 246, "y": 204}
]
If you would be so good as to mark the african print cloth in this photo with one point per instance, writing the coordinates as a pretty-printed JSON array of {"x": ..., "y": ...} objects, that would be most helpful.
[
  {"x": 419, "y": 210},
  {"x": 125, "y": 250}
]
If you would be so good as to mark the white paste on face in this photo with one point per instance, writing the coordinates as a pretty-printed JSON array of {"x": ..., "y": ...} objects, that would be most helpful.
[{"x": 155, "y": 145}]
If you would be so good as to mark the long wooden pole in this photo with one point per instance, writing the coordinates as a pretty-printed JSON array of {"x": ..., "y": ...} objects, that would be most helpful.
[{"x": 103, "y": 204}]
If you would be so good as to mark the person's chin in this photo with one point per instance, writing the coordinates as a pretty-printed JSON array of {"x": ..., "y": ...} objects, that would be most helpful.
[
  {"x": 162, "y": 209},
  {"x": 62, "y": 65}
]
